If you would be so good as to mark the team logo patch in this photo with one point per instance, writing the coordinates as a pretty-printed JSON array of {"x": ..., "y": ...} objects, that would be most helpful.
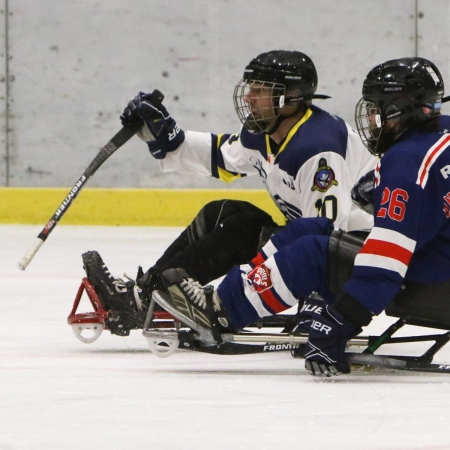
[
  {"x": 447, "y": 205},
  {"x": 324, "y": 177},
  {"x": 259, "y": 279}
]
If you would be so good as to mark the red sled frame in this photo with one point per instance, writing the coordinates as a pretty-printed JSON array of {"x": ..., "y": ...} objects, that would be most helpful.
[{"x": 88, "y": 326}]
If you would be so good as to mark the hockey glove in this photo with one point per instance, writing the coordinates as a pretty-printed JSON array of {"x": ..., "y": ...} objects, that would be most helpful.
[
  {"x": 328, "y": 336},
  {"x": 129, "y": 116},
  {"x": 312, "y": 308},
  {"x": 362, "y": 192},
  {"x": 163, "y": 134}
]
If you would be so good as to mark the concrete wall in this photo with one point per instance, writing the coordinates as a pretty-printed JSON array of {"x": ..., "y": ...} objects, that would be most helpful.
[{"x": 67, "y": 69}]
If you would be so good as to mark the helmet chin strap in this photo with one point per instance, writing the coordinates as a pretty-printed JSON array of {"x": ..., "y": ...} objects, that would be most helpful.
[
  {"x": 270, "y": 129},
  {"x": 275, "y": 125}
]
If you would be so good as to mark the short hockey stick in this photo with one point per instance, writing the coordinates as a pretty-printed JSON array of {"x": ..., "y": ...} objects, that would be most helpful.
[{"x": 116, "y": 142}]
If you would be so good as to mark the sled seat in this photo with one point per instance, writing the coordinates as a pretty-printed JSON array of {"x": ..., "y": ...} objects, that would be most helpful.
[{"x": 426, "y": 305}]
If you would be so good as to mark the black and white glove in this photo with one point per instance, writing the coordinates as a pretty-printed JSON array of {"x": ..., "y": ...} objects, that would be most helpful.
[
  {"x": 129, "y": 117},
  {"x": 362, "y": 192},
  {"x": 328, "y": 336},
  {"x": 312, "y": 307},
  {"x": 161, "y": 132}
]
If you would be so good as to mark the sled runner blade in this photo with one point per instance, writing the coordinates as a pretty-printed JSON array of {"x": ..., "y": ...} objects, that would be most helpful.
[
  {"x": 162, "y": 343},
  {"x": 93, "y": 322}
]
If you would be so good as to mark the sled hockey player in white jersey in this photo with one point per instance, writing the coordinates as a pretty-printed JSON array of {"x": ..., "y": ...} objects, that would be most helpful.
[{"x": 306, "y": 158}]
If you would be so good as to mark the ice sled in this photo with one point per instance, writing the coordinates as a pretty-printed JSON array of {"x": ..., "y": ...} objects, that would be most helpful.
[
  {"x": 428, "y": 310},
  {"x": 168, "y": 330}
]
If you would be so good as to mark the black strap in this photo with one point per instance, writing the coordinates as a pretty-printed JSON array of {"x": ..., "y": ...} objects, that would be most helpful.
[
  {"x": 342, "y": 249},
  {"x": 212, "y": 315}
]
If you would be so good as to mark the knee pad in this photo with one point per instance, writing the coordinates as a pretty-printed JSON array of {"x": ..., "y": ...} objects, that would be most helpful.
[
  {"x": 342, "y": 250},
  {"x": 217, "y": 211},
  {"x": 233, "y": 242}
]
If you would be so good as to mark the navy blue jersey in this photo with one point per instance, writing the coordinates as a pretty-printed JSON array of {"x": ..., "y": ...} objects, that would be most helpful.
[
  {"x": 411, "y": 234},
  {"x": 410, "y": 239},
  {"x": 444, "y": 124}
]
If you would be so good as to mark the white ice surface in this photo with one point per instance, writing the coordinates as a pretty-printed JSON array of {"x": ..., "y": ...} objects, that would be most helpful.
[{"x": 58, "y": 393}]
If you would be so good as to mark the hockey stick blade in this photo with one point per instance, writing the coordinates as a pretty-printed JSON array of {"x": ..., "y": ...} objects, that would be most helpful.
[
  {"x": 120, "y": 138},
  {"x": 412, "y": 364}
]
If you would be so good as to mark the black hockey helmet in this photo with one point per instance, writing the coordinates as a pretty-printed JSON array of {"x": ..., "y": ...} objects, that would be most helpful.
[
  {"x": 293, "y": 69},
  {"x": 406, "y": 90},
  {"x": 288, "y": 77}
]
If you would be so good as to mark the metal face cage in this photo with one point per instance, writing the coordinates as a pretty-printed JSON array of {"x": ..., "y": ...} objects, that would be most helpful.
[
  {"x": 368, "y": 123},
  {"x": 258, "y": 103}
]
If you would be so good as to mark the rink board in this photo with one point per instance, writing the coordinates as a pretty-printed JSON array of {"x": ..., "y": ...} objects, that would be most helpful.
[{"x": 131, "y": 207}]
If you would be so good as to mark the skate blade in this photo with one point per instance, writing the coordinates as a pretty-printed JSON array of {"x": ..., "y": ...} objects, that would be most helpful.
[
  {"x": 205, "y": 335},
  {"x": 87, "y": 332},
  {"x": 162, "y": 343}
]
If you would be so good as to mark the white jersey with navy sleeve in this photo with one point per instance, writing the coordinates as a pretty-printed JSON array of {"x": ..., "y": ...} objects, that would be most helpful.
[
  {"x": 411, "y": 236},
  {"x": 311, "y": 173}
]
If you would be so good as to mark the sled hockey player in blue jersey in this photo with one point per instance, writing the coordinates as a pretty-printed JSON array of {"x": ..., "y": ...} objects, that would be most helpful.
[
  {"x": 306, "y": 158},
  {"x": 406, "y": 255}
]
